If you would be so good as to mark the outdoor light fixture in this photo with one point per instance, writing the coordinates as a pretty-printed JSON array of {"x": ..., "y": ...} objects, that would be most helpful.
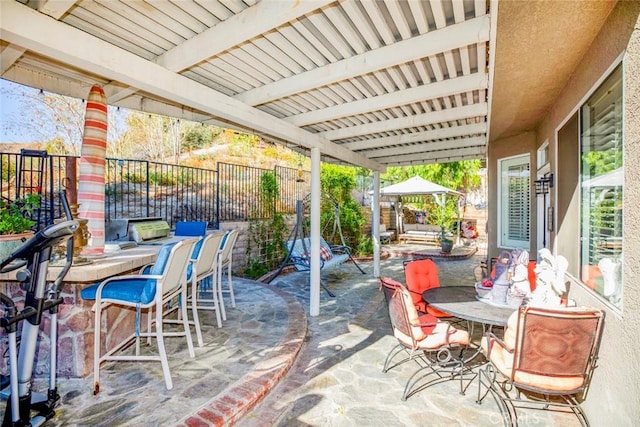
[
  {"x": 300, "y": 177},
  {"x": 544, "y": 184},
  {"x": 542, "y": 189}
]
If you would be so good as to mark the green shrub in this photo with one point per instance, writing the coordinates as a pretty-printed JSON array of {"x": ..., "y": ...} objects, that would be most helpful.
[
  {"x": 267, "y": 230},
  {"x": 365, "y": 246},
  {"x": 338, "y": 182},
  {"x": 134, "y": 178},
  {"x": 160, "y": 178}
]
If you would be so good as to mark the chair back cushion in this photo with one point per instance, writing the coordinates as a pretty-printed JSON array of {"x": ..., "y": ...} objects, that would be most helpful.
[
  {"x": 194, "y": 256},
  {"x": 404, "y": 317},
  {"x": 191, "y": 228},
  {"x": 175, "y": 271},
  {"x": 325, "y": 250},
  {"x": 549, "y": 351},
  {"x": 226, "y": 248},
  {"x": 388, "y": 287},
  {"x": 164, "y": 254},
  {"x": 157, "y": 269},
  {"x": 558, "y": 343},
  {"x": 207, "y": 257},
  {"x": 420, "y": 276}
]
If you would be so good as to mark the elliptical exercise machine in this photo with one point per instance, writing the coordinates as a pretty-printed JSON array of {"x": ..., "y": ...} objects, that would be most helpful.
[{"x": 34, "y": 254}]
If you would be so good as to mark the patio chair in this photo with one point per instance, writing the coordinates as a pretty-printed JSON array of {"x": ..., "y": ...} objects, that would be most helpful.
[
  {"x": 225, "y": 260},
  {"x": 547, "y": 355},
  {"x": 165, "y": 282},
  {"x": 428, "y": 341},
  {"x": 422, "y": 275},
  {"x": 203, "y": 266}
]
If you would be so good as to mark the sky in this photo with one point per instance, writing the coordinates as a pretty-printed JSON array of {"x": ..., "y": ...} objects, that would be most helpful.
[
  {"x": 10, "y": 108},
  {"x": 18, "y": 123}
]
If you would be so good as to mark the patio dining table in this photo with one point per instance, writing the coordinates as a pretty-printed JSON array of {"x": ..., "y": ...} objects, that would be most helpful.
[{"x": 462, "y": 302}]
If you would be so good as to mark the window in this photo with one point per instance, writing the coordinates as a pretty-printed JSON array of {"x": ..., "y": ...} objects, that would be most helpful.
[
  {"x": 514, "y": 202},
  {"x": 543, "y": 154},
  {"x": 601, "y": 179}
]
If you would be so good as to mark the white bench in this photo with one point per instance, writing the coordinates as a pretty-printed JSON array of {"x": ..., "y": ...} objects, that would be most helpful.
[{"x": 420, "y": 233}]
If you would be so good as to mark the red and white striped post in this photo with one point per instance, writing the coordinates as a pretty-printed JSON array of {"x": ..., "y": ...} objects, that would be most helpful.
[{"x": 92, "y": 170}]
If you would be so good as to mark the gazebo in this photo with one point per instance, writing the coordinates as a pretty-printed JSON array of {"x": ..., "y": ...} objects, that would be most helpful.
[{"x": 416, "y": 186}]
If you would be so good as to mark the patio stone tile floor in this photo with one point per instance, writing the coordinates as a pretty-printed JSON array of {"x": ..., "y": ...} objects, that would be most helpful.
[{"x": 271, "y": 364}]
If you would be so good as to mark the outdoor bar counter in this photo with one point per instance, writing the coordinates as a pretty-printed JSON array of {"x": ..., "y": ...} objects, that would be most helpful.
[{"x": 75, "y": 319}]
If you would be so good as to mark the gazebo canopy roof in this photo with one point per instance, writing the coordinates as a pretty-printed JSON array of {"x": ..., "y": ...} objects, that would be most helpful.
[{"x": 417, "y": 186}]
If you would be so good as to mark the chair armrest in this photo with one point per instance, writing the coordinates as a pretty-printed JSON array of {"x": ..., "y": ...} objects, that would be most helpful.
[
  {"x": 494, "y": 339},
  {"x": 144, "y": 267}
]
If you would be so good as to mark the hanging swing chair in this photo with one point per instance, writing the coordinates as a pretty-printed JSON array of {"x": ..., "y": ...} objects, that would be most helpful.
[{"x": 298, "y": 244}]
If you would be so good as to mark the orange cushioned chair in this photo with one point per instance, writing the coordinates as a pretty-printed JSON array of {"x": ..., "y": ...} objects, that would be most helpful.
[
  {"x": 548, "y": 355},
  {"x": 425, "y": 339},
  {"x": 422, "y": 275}
]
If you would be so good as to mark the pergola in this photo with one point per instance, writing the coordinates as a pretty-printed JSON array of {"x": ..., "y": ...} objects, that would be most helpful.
[{"x": 367, "y": 83}]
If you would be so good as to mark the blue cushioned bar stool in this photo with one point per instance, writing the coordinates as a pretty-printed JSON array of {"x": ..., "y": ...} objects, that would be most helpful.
[{"x": 166, "y": 281}]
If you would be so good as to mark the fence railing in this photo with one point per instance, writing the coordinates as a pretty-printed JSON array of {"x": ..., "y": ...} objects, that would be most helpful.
[{"x": 138, "y": 188}]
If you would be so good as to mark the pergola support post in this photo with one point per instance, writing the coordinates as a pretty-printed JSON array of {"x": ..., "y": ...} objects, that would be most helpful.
[
  {"x": 314, "y": 274},
  {"x": 375, "y": 229}
]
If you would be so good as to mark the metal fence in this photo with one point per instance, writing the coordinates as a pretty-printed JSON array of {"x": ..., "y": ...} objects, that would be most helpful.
[{"x": 137, "y": 189}]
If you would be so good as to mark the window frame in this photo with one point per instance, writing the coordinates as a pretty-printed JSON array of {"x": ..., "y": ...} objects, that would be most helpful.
[
  {"x": 586, "y": 248},
  {"x": 503, "y": 202}
]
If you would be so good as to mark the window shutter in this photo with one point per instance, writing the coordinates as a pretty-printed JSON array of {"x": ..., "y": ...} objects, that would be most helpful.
[
  {"x": 519, "y": 202},
  {"x": 514, "y": 202}
]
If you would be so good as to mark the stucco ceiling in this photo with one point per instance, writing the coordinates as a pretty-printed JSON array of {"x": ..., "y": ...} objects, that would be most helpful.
[{"x": 538, "y": 44}]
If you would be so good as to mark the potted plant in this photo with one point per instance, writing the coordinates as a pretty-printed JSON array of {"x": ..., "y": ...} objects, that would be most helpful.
[
  {"x": 443, "y": 213},
  {"x": 15, "y": 222},
  {"x": 446, "y": 244}
]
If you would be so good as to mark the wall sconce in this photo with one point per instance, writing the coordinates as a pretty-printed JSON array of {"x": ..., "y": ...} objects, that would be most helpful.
[
  {"x": 544, "y": 184},
  {"x": 542, "y": 189}
]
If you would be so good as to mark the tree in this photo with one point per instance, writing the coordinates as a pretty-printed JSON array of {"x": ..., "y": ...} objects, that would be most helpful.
[
  {"x": 461, "y": 176},
  {"x": 55, "y": 120},
  {"x": 154, "y": 137},
  {"x": 338, "y": 182},
  {"x": 195, "y": 135}
]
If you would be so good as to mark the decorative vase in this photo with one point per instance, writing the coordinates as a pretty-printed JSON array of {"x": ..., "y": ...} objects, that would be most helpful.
[
  {"x": 446, "y": 246},
  {"x": 10, "y": 242},
  {"x": 500, "y": 291}
]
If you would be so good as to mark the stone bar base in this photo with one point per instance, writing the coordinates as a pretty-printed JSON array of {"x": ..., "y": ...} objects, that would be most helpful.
[{"x": 75, "y": 317}]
